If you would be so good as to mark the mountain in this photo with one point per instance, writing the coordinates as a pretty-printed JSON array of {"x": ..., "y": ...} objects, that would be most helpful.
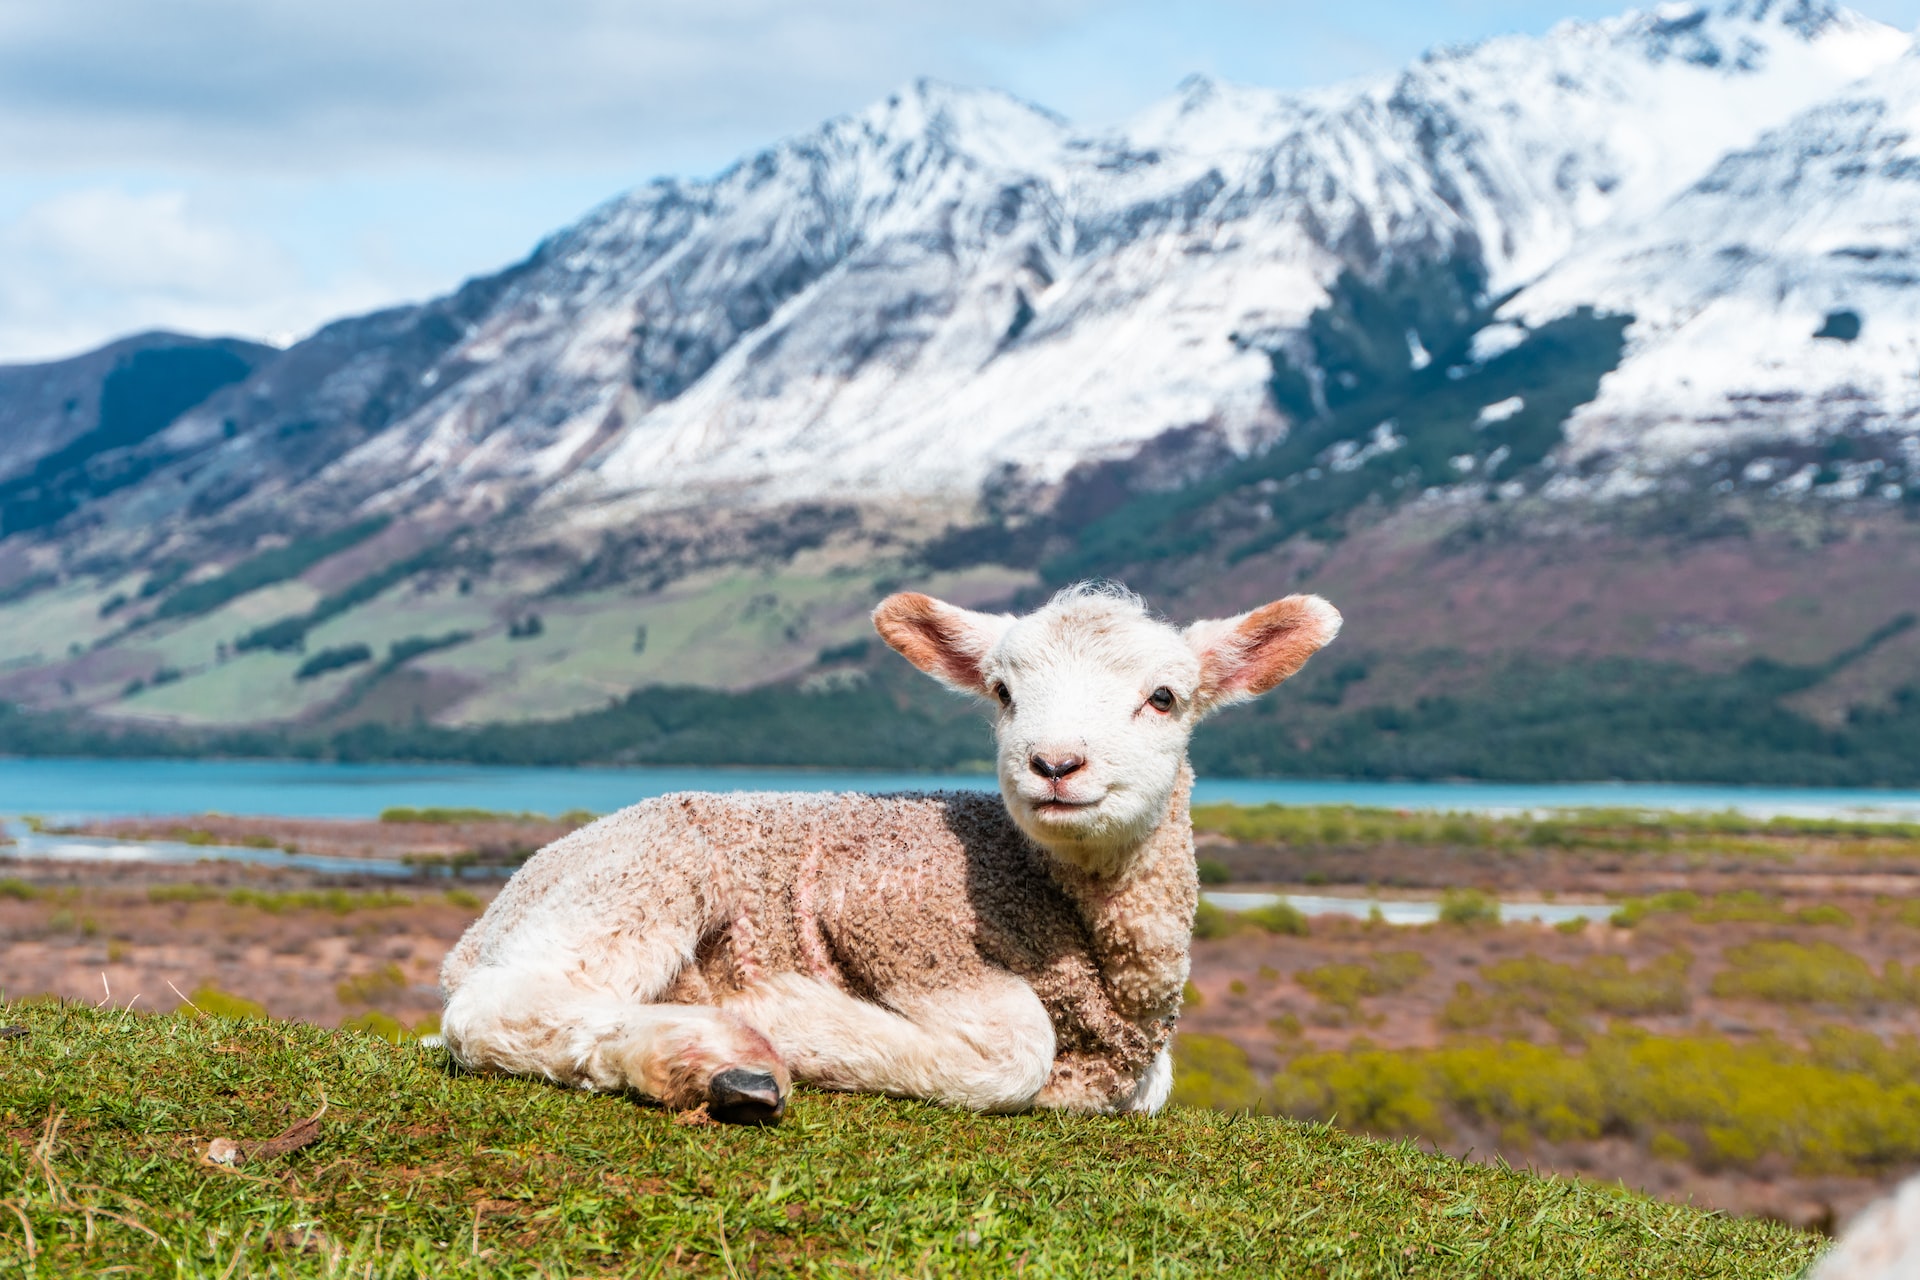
[
  {"x": 956, "y": 265},
  {"x": 1776, "y": 304},
  {"x": 1630, "y": 292}
]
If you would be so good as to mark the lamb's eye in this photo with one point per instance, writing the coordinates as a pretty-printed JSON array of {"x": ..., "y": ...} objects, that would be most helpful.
[
  {"x": 1161, "y": 699},
  {"x": 1003, "y": 693}
]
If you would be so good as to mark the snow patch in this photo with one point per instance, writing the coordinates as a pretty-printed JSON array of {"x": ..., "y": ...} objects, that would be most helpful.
[
  {"x": 1495, "y": 341},
  {"x": 1499, "y": 411}
]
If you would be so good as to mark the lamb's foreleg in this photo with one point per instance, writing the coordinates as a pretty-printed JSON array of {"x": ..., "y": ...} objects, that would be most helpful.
[
  {"x": 563, "y": 1027},
  {"x": 986, "y": 1045},
  {"x": 1090, "y": 1083}
]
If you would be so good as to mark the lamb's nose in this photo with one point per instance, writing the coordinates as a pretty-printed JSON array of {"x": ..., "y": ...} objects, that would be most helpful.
[{"x": 1058, "y": 767}]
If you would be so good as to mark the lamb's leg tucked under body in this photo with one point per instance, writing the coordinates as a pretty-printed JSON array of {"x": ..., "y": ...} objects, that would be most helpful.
[
  {"x": 570, "y": 1029},
  {"x": 987, "y": 1046}
]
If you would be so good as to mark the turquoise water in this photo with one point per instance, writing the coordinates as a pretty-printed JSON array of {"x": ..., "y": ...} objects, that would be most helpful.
[{"x": 70, "y": 789}]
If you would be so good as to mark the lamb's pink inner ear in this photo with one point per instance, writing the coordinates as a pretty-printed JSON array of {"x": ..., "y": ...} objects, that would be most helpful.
[
  {"x": 1249, "y": 655},
  {"x": 947, "y": 643}
]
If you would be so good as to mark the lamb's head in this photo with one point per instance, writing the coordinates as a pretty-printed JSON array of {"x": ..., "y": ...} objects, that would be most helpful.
[{"x": 1096, "y": 699}]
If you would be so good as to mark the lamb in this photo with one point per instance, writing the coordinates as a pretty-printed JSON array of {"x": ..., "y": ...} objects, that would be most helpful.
[
  {"x": 996, "y": 953},
  {"x": 1883, "y": 1243}
]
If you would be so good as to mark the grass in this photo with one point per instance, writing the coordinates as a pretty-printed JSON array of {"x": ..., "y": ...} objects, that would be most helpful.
[{"x": 420, "y": 1171}]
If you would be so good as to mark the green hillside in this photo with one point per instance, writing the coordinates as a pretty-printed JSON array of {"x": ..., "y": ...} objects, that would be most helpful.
[{"x": 419, "y": 1171}]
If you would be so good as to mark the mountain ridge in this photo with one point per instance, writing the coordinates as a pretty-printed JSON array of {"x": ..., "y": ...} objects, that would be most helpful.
[{"x": 950, "y": 339}]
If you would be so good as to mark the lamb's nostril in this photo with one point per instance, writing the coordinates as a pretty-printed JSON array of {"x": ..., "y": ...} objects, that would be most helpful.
[{"x": 1058, "y": 767}]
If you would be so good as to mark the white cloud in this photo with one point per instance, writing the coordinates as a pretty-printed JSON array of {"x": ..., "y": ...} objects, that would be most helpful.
[
  {"x": 294, "y": 86},
  {"x": 85, "y": 265},
  {"x": 149, "y": 243}
]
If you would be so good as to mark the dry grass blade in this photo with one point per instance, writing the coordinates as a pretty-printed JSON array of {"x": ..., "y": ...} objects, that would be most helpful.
[
  {"x": 33, "y": 1250},
  {"x": 125, "y": 1221}
]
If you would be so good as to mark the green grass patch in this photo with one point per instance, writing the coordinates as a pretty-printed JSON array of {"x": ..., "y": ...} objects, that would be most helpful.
[{"x": 420, "y": 1171}]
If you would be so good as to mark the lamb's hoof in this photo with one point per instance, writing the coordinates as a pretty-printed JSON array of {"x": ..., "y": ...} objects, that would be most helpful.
[{"x": 740, "y": 1096}]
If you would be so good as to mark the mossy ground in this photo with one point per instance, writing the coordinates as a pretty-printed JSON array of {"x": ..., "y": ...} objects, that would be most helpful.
[{"x": 420, "y": 1170}]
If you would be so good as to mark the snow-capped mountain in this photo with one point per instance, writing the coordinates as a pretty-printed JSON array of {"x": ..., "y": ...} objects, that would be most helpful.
[
  {"x": 1776, "y": 297},
  {"x": 953, "y": 285}
]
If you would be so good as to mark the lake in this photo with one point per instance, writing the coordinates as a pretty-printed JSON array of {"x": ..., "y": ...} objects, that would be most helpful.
[{"x": 65, "y": 790}]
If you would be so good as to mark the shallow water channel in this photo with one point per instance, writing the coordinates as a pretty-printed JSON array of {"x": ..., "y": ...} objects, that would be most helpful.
[
  {"x": 65, "y": 848},
  {"x": 1407, "y": 910},
  {"x": 68, "y": 848}
]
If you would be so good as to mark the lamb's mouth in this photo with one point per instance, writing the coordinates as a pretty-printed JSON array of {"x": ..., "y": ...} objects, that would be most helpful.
[{"x": 1060, "y": 804}]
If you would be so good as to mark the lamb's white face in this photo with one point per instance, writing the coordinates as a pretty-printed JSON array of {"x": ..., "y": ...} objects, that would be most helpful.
[
  {"x": 1096, "y": 699},
  {"x": 1095, "y": 707}
]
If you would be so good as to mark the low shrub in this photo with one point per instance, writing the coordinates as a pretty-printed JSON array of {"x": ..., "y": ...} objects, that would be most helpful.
[
  {"x": 1740, "y": 907},
  {"x": 338, "y": 901},
  {"x": 1468, "y": 908},
  {"x": 375, "y": 1023},
  {"x": 1613, "y": 831},
  {"x": 1210, "y": 921},
  {"x": 1344, "y": 986},
  {"x": 448, "y": 817},
  {"x": 1213, "y": 1072},
  {"x": 1838, "y": 1107},
  {"x": 376, "y": 987},
  {"x": 1567, "y": 995},
  {"x": 1213, "y": 871},
  {"x": 181, "y": 893},
  {"x": 1278, "y": 917},
  {"x": 1780, "y": 972}
]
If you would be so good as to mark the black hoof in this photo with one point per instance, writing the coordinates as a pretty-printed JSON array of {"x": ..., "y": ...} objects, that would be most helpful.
[{"x": 740, "y": 1096}]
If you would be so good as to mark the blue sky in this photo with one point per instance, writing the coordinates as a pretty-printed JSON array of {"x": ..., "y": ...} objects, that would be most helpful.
[{"x": 260, "y": 166}]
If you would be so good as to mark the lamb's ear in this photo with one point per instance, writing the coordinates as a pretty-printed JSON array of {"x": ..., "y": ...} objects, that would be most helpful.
[
  {"x": 946, "y": 642},
  {"x": 1248, "y": 655}
]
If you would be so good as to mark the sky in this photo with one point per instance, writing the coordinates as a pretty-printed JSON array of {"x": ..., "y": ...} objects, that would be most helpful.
[{"x": 258, "y": 167}]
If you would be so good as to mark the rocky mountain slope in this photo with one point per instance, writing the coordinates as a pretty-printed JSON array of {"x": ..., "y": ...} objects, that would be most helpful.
[{"x": 1634, "y": 280}]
